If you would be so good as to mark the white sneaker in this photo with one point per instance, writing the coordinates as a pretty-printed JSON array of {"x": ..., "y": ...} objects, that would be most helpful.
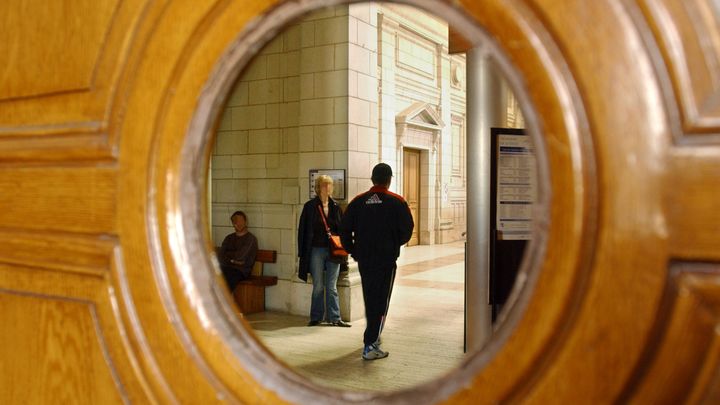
[{"x": 373, "y": 352}]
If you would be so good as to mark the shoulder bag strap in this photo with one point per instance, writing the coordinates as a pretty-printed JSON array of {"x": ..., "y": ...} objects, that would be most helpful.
[{"x": 322, "y": 215}]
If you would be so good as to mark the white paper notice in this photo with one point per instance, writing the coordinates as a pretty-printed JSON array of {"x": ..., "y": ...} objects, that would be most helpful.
[{"x": 516, "y": 187}]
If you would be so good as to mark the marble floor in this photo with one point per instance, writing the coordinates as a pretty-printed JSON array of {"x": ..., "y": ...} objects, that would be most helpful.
[{"x": 423, "y": 333}]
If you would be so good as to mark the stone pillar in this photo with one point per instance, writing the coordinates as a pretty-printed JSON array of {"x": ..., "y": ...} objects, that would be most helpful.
[
  {"x": 444, "y": 211},
  {"x": 362, "y": 134}
]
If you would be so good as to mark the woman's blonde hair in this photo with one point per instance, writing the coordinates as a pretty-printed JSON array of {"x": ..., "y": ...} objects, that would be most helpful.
[{"x": 319, "y": 180}]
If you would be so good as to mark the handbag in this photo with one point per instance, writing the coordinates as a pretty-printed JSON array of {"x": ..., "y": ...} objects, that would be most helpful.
[{"x": 336, "y": 247}]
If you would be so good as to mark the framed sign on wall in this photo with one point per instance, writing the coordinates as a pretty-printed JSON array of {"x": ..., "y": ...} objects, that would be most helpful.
[
  {"x": 513, "y": 192},
  {"x": 338, "y": 176}
]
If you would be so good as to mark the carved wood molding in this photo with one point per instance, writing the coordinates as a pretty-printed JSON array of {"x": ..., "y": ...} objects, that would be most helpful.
[
  {"x": 690, "y": 31},
  {"x": 76, "y": 146},
  {"x": 691, "y": 196},
  {"x": 56, "y": 199},
  {"x": 63, "y": 252},
  {"x": 56, "y": 98},
  {"x": 682, "y": 364},
  {"x": 87, "y": 304},
  {"x": 112, "y": 198},
  {"x": 71, "y": 336}
]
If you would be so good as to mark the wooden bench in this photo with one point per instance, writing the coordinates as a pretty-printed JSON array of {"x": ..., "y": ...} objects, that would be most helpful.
[{"x": 249, "y": 294}]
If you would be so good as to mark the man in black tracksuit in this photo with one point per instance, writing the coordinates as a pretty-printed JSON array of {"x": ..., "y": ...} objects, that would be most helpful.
[{"x": 375, "y": 225}]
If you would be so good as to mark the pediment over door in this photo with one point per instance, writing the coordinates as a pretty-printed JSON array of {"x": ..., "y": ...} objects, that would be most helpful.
[{"x": 422, "y": 115}]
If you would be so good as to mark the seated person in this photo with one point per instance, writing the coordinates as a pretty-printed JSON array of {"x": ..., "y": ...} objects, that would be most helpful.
[{"x": 237, "y": 253}]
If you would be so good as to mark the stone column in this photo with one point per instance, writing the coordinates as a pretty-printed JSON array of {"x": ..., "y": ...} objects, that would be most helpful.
[{"x": 362, "y": 130}]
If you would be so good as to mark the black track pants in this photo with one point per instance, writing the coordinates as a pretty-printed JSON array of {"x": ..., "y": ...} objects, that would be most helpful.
[{"x": 377, "y": 284}]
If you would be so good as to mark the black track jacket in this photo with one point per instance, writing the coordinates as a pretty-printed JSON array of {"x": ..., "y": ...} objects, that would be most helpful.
[{"x": 375, "y": 225}]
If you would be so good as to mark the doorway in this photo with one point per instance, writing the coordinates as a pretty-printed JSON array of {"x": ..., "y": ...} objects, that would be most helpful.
[{"x": 411, "y": 189}]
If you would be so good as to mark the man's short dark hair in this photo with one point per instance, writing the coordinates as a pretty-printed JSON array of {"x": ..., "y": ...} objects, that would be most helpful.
[
  {"x": 381, "y": 173},
  {"x": 238, "y": 213}
]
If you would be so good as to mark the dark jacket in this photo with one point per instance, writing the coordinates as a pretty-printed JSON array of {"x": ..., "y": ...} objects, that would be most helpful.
[
  {"x": 309, "y": 215},
  {"x": 375, "y": 225}
]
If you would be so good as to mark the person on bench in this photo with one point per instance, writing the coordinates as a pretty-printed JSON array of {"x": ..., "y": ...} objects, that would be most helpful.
[{"x": 237, "y": 253}]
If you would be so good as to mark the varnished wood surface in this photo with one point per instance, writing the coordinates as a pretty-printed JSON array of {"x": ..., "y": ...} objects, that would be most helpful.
[
  {"x": 688, "y": 35},
  {"x": 55, "y": 349},
  {"x": 266, "y": 256},
  {"x": 56, "y": 198},
  {"x": 106, "y": 276},
  {"x": 691, "y": 200},
  {"x": 684, "y": 357}
]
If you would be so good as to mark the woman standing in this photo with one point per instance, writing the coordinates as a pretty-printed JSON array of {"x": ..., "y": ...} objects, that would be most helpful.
[{"x": 314, "y": 253}]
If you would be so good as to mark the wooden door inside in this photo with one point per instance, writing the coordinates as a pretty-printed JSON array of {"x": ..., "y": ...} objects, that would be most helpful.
[
  {"x": 411, "y": 189},
  {"x": 107, "y": 286}
]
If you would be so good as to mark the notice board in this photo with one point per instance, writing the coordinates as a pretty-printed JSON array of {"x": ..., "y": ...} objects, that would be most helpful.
[
  {"x": 338, "y": 176},
  {"x": 513, "y": 192}
]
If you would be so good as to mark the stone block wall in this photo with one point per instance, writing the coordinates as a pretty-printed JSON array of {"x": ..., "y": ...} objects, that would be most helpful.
[
  {"x": 288, "y": 114},
  {"x": 415, "y": 68},
  {"x": 325, "y": 94},
  {"x": 363, "y": 144}
]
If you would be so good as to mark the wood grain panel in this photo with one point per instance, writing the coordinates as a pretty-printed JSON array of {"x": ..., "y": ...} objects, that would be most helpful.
[
  {"x": 689, "y": 36},
  {"x": 681, "y": 366},
  {"x": 57, "y": 251},
  {"x": 72, "y": 199},
  {"x": 70, "y": 49},
  {"x": 154, "y": 325},
  {"x": 62, "y": 63},
  {"x": 87, "y": 282},
  {"x": 57, "y": 148},
  {"x": 692, "y": 200},
  {"x": 55, "y": 353}
]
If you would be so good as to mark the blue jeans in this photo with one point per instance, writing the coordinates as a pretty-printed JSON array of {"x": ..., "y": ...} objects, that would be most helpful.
[{"x": 324, "y": 276}]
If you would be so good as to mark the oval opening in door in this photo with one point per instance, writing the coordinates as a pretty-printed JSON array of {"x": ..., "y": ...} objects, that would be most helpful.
[{"x": 334, "y": 93}]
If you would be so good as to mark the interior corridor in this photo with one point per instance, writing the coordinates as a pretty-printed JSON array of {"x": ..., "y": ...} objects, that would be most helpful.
[{"x": 423, "y": 333}]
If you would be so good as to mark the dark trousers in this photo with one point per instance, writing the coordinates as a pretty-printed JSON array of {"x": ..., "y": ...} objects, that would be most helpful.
[
  {"x": 377, "y": 285},
  {"x": 233, "y": 275}
]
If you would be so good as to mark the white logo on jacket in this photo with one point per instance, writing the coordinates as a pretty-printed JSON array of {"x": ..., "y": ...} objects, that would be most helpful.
[{"x": 373, "y": 200}]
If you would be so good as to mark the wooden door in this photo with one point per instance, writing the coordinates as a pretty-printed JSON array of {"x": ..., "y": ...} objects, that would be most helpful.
[
  {"x": 411, "y": 189},
  {"x": 107, "y": 288}
]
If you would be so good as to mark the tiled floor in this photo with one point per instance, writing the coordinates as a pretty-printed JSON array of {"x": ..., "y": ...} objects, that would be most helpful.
[{"x": 423, "y": 333}]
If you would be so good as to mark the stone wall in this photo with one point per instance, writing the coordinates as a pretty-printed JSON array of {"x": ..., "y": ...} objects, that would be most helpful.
[
  {"x": 416, "y": 69},
  {"x": 287, "y": 114},
  {"x": 327, "y": 94}
]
